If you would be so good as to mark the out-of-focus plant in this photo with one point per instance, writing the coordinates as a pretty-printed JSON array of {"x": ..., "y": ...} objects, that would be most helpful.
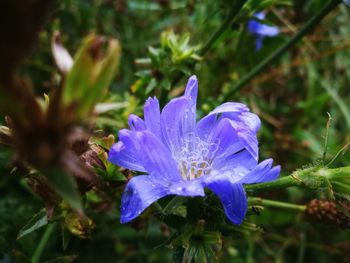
[
  {"x": 62, "y": 140},
  {"x": 51, "y": 135},
  {"x": 174, "y": 55},
  {"x": 260, "y": 30}
]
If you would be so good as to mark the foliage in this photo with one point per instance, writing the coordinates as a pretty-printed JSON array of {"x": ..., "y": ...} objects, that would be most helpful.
[{"x": 60, "y": 115}]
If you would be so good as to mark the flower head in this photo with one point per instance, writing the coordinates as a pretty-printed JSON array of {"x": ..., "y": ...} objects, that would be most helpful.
[
  {"x": 260, "y": 30},
  {"x": 182, "y": 157}
]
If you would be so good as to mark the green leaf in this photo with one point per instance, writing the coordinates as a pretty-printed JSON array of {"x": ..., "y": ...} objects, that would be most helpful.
[
  {"x": 151, "y": 85},
  {"x": 66, "y": 237},
  {"x": 37, "y": 221},
  {"x": 66, "y": 186}
]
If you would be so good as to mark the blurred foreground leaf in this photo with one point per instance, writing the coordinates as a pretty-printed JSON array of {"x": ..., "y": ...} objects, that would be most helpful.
[
  {"x": 91, "y": 73},
  {"x": 66, "y": 186}
]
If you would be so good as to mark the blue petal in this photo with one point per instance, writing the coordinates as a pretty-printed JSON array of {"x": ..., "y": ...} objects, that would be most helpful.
[
  {"x": 124, "y": 152},
  {"x": 260, "y": 30},
  {"x": 187, "y": 188},
  {"x": 191, "y": 91},
  {"x": 231, "y": 136},
  {"x": 262, "y": 173},
  {"x": 152, "y": 116},
  {"x": 205, "y": 126},
  {"x": 140, "y": 192},
  {"x": 225, "y": 140},
  {"x": 269, "y": 31},
  {"x": 253, "y": 26},
  {"x": 244, "y": 123},
  {"x": 136, "y": 123},
  {"x": 171, "y": 123},
  {"x": 230, "y": 107},
  {"x": 232, "y": 196},
  {"x": 189, "y": 119},
  {"x": 156, "y": 157},
  {"x": 247, "y": 137},
  {"x": 251, "y": 120},
  {"x": 239, "y": 165},
  {"x": 247, "y": 119},
  {"x": 208, "y": 123}
]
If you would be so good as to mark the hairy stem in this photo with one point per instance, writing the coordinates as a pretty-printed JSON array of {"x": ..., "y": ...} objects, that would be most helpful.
[
  {"x": 312, "y": 178},
  {"x": 307, "y": 28},
  {"x": 282, "y": 182}
]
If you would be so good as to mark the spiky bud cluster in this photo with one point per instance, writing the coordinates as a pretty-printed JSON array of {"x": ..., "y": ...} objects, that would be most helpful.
[{"x": 329, "y": 212}]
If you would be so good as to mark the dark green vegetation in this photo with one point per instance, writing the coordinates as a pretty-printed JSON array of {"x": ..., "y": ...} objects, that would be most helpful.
[{"x": 302, "y": 98}]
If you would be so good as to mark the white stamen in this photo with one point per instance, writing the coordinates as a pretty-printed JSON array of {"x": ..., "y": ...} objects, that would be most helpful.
[{"x": 194, "y": 157}]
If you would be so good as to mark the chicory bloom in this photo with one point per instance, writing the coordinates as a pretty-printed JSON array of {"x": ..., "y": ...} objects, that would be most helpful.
[
  {"x": 182, "y": 157},
  {"x": 260, "y": 30}
]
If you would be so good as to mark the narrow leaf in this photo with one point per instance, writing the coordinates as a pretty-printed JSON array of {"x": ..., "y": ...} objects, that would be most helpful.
[{"x": 37, "y": 221}]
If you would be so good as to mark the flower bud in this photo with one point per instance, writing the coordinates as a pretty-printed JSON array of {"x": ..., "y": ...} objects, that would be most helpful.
[{"x": 327, "y": 212}]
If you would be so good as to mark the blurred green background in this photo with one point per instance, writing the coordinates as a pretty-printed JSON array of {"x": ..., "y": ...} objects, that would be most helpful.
[{"x": 292, "y": 97}]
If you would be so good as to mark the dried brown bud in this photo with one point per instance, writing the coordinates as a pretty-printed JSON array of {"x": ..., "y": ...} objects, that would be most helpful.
[
  {"x": 40, "y": 186},
  {"x": 328, "y": 212},
  {"x": 91, "y": 159}
]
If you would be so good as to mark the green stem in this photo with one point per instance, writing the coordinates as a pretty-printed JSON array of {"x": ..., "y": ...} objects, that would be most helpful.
[
  {"x": 307, "y": 28},
  {"x": 43, "y": 242},
  {"x": 313, "y": 178},
  {"x": 276, "y": 204},
  {"x": 282, "y": 182},
  {"x": 337, "y": 173},
  {"x": 235, "y": 9}
]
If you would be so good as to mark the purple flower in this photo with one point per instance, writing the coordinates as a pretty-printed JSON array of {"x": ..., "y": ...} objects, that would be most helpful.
[
  {"x": 260, "y": 30},
  {"x": 182, "y": 157}
]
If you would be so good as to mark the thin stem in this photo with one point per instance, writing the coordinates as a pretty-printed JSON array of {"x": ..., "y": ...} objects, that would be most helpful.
[
  {"x": 43, "y": 242},
  {"x": 307, "y": 28},
  {"x": 235, "y": 9},
  {"x": 328, "y": 125},
  {"x": 276, "y": 204},
  {"x": 311, "y": 177},
  {"x": 341, "y": 151}
]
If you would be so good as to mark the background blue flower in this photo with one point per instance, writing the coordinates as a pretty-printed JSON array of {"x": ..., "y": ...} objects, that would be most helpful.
[
  {"x": 260, "y": 30},
  {"x": 182, "y": 157}
]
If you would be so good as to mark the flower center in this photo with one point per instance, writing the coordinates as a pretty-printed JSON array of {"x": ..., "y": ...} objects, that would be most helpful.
[{"x": 194, "y": 158}]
